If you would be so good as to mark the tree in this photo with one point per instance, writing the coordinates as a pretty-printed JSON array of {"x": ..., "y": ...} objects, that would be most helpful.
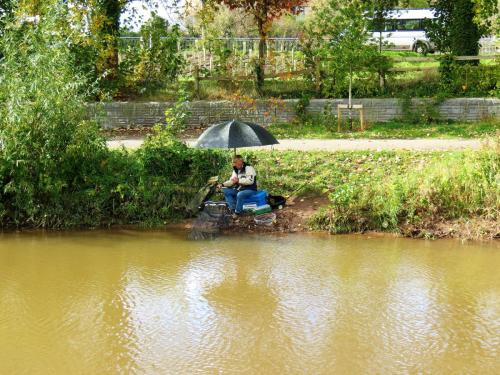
[
  {"x": 159, "y": 58},
  {"x": 49, "y": 147},
  {"x": 488, "y": 15},
  {"x": 102, "y": 20},
  {"x": 340, "y": 33},
  {"x": 454, "y": 30},
  {"x": 379, "y": 9},
  {"x": 264, "y": 12}
]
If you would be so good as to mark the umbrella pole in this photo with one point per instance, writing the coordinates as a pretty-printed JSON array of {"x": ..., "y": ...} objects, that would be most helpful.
[{"x": 235, "y": 151}]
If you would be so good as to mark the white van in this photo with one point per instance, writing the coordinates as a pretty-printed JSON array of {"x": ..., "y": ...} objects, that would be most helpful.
[{"x": 404, "y": 30}]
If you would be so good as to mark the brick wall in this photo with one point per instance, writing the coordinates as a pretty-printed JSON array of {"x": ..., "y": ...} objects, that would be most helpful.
[{"x": 203, "y": 113}]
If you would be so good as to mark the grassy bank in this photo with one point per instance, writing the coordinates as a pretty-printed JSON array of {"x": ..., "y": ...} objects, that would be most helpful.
[
  {"x": 320, "y": 129},
  {"x": 411, "y": 193}
]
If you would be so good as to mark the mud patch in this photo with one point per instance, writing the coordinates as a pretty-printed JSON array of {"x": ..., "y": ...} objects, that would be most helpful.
[
  {"x": 292, "y": 218},
  {"x": 466, "y": 229}
]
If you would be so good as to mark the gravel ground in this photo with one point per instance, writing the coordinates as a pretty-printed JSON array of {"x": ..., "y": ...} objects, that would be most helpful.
[{"x": 348, "y": 144}]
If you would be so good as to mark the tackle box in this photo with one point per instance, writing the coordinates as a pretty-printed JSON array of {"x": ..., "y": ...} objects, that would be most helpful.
[{"x": 263, "y": 209}]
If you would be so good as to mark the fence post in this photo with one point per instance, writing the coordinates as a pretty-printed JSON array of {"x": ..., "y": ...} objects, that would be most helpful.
[{"x": 381, "y": 79}]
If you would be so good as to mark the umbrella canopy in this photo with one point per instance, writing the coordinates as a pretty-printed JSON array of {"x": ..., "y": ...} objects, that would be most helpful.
[{"x": 235, "y": 134}]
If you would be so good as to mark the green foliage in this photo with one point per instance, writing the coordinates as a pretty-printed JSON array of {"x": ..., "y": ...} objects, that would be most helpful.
[
  {"x": 466, "y": 79},
  {"x": 325, "y": 127},
  {"x": 420, "y": 112},
  {"x": 454, "y": 29},
  {"x": 49, "y": 146},
  {"x": 456, "y": 186},
  {"x": 164, "y": 155},
  {"x": 301, "y": 107},
  {"x": 158, "y": 61},
  {"x": 487, "y": 15},
  {"x": 177, "y": 115},
  {"x": 5, "y": 12},
  {"x": 55, "y": 169},
  {"x": 338, "y": 34}
]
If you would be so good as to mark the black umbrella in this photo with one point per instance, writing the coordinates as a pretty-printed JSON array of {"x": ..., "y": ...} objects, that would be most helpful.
[{"x": 235, "y": 134}]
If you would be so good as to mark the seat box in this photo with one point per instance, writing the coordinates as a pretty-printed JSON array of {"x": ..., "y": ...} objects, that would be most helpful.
[{"x": 259, "y": 198}]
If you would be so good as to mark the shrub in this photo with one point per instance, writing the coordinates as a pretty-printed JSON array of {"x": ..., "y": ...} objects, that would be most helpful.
[
  {"x": 50, "y": 148},
  {"x": 55, "y": 169},
  {"x": 157, "y": 62}
]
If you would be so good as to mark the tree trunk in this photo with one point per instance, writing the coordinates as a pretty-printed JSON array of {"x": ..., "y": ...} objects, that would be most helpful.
[
  {"x": 260, "y": 68},
  {"x": 350, "y": 97},
  {"x": 381, "y": 73},
  {"x": 111, "y": 10}
]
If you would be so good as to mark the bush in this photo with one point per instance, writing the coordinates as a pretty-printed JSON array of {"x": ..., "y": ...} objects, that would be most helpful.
[
  {"x": 55, "y": 169},
  {"x": 163, "y": 155},
  {"x": 50, "y": 148},
  {"x": 158, "y": 62}
]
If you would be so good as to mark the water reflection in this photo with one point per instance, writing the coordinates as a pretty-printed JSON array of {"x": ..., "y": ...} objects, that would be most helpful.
[{"x": 146, "y": 302}]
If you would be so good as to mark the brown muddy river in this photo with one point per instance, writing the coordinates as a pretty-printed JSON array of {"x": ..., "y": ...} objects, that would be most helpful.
[{"x": 131, "y": 302}]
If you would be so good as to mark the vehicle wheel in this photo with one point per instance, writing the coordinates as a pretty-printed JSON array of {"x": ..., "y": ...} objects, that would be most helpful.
[{"x": 421, "y": 48}]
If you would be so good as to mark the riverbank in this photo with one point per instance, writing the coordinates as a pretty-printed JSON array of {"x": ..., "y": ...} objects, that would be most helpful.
[
  {"x": 411, "y": 193},
  {"x": 415, "y": 194},
  {"x": 300, "y": 218},
  {"x": 291, "y": 220}
]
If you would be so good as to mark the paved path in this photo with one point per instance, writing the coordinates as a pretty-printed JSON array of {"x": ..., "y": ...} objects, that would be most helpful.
[{"x": 348, "y": 144}]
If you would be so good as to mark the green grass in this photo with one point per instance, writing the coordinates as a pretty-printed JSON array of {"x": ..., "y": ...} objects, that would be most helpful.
[
  {"x": 394, "y": 129},
  {"x": 405, "y": 192}
]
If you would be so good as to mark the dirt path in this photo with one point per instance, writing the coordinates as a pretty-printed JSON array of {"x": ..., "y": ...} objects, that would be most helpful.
[{"x": 348, "y": 144}]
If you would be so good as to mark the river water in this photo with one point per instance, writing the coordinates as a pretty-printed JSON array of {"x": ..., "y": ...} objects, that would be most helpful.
[{"x": 132, "y": 302}]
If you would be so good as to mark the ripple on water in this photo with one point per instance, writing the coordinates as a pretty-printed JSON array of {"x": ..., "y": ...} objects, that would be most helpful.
[{"x": 141, "y": 302}]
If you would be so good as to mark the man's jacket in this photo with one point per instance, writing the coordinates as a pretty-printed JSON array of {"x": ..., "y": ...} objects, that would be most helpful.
[{"x": 247, "y": 178}]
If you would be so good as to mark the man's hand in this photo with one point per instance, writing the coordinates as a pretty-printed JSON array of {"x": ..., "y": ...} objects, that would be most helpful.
[
  {"x": 220, "y": 186},
  {"x": 234, "y": 180}
]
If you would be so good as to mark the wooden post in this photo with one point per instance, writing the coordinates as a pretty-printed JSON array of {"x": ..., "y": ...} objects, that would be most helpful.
[
  {"x": 362, "y": 118},
  {"x": 381, "y": 78},
  {"x": 339, "y": 119}
]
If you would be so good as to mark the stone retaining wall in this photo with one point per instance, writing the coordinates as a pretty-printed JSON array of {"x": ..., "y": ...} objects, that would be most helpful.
[{"x": 203, "y": 113}]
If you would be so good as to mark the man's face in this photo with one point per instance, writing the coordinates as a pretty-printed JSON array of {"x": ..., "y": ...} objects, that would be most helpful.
[{"x": 237, "y": 163}]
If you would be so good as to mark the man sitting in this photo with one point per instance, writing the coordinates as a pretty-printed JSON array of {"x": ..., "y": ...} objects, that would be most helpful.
[{"x": 241, "y": 185}]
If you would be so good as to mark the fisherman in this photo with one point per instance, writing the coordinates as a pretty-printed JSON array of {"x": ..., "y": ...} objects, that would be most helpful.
[{"x": 241, "y": 185}]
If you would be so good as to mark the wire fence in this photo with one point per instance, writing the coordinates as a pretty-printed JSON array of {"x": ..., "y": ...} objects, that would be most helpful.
[
  {"x": 313, "y": 71},
  {"x": 284, "y": 53}
]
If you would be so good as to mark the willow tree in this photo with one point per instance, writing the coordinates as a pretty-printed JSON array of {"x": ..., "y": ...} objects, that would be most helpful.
[
  {"x": 264, "y": 13},
  {"x": 5, "y": 12}
]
